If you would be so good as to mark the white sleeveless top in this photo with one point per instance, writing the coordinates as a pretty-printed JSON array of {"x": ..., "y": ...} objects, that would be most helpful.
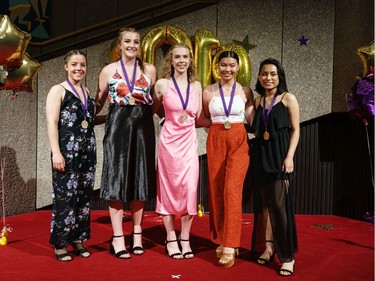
[{"x": 217, "y": 112}]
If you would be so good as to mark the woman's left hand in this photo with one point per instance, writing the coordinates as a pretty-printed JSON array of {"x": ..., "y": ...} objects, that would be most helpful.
[{"x": 288, "y": 165}]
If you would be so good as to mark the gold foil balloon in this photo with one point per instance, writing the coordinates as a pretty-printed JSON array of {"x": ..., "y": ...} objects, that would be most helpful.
[
  {"x": 244, "y": 73},
  {"x": 3, "y": 75},
  {"x": 158, "y": 36},
  {"x": 205, "y": 43},
  {"x": 200, "y": 210},
  {"x": 22, "y": 78},
  {"x": 3, "y": 241},
  {"x": 112, "y": 53},
  {"x": 366, "y": 54},
  {"x": 13, "y": 43}
]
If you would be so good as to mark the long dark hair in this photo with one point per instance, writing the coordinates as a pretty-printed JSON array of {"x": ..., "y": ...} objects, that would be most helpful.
[
  {"x": 229, "y": 54},
  {"x": 282, "y": 87}
]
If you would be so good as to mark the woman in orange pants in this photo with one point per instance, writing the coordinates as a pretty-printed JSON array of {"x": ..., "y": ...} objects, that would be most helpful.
[{"x": 227, "y": 103}]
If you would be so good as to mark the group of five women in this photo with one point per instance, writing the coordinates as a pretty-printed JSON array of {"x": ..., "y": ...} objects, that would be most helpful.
[{"x": 129, "y": 174}]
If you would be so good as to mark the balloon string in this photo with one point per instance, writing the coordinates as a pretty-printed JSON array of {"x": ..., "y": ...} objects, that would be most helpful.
[{"x": 2, "y": 166}]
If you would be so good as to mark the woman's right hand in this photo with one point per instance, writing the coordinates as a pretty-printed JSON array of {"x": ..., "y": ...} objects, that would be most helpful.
[{"x": 58, "y": 162}]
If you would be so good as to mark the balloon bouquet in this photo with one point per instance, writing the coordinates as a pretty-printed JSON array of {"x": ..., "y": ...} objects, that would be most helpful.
[
  {"x": 17, "y": 72},
  {"x": 17, "y": 69},
  {"x": 360, "y": 100}
]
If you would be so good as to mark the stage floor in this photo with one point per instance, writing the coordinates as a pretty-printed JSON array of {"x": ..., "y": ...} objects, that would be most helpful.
[{"x": 330, "y": 248}]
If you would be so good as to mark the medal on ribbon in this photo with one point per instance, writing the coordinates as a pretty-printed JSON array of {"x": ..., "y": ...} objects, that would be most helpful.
[
  {"x": 84, "y": 123},
  {"x": 266, "y": 115},
  {"x": 227, "y": 123},
  {"x": 184, "y": 116},
  {"x": 131, "y": 100}
]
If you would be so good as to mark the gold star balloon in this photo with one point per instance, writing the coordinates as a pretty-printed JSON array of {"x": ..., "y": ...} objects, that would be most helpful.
[
  {"x": 366, "y": 54},
  {"x": 22, "y": 78},
  {"x": 13, "y": 43}
]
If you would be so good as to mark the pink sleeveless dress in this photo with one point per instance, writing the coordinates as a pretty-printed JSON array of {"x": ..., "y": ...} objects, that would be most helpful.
[{"x": 177, "y": 156}]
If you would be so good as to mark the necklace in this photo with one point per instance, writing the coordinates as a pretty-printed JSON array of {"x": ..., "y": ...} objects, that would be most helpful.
[
  {"x": 266, "y": 115},
  {"x": 227, "y": 124},
  {"x": 84, "y": 123},
  {"x": 185, "y": 103},
  {"x": 131, "y": 100}
]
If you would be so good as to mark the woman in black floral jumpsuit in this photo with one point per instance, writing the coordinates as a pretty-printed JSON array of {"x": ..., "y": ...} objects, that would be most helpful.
[{"x": 70, "y": 114}]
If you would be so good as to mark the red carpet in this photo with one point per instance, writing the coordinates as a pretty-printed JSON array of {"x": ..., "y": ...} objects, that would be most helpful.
[{"x": 330, "y": 248}]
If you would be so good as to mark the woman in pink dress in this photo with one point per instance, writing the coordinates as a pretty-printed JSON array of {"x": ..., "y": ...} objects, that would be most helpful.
[{"x": 177, "y": 156}]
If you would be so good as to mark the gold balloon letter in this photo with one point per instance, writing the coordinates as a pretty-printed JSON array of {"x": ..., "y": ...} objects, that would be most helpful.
[
  {"x": 244, "y": 73},
  {"x": 205, "y": 42},
  {"x": 158, "y": 36}
]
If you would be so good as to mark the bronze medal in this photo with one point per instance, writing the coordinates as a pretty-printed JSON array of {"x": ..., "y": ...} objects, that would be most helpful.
[
  {"x": 84, "y": 124},
  {"x": 266, "y": 135},
  {"x": 227, "y": 125},
  {"x": 131, "y": 101},
  {"x": 184, "y": 117}
]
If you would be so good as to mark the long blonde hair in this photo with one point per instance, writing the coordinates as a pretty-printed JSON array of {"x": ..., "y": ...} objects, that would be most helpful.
[{"x": 167, "y": 69}]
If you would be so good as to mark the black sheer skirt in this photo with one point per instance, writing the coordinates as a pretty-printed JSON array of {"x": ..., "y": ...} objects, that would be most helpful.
[{"x": 276, "y": 195}]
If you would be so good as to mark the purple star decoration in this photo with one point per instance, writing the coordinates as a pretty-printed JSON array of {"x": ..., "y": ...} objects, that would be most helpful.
[{"x": 303, "y": 40}]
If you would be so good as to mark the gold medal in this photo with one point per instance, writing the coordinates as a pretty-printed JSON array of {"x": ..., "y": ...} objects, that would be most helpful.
[
  {"x": 184, "y": 117},
  {"x": 227, "y": 125},
  {"x": 131, "y": 101},
  {"x": 266, "y": 135},
  {"x": 84, "y": 124}
]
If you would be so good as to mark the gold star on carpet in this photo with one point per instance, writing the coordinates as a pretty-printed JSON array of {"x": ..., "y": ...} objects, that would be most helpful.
[{"x": 245, "y": 43}]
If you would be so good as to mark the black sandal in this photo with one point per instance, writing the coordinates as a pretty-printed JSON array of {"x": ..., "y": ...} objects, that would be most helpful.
[
  {"x": 189, "y": 254},
  {"x": 119, "y": 253},
  {"x": 60, "y": 257},
  {"x": 137, "y": 249},
  {"x": 271, "y": 257},
  {"x": 177, "y": 255},
  {"x": 287, "y": 270},
  {"x": 80, "y": 250}
]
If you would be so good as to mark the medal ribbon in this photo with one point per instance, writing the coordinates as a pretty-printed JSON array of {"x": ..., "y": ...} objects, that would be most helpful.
[
  {"x": 131, "y": 86},
  {"x": 227, "y": 110},
  {"x": 184, "y": 103},
  {"x": 266, "y": 113},
  {"x": 84, "y": 104}
]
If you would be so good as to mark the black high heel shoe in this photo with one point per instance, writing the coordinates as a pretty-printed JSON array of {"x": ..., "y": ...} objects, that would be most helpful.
[
  {"x": 177, "y": 255},
  {"x": 80, "y": 250},
  {"x": 289, "y": 272},
  {"x": 267, "y": 257},
  {"x": 186, "y": 255},
  {"x": 119, "y": 253},
  {"x": 137, "y": 250},
  {"x": 62, "y": 256}
]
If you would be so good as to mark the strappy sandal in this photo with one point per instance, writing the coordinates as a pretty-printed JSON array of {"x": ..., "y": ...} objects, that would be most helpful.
[
  {"x": 120, "y": 253},
  {"x": 288, "y": 271},
  {"x": 188, "y": 254},
  {"x": 177, "y": 255},
  {"x": 137, "y": 250},
  {"x": 62, "y": 256},
  {"x": 266, "y": 257},
  {"x": 80, "y": 250}
]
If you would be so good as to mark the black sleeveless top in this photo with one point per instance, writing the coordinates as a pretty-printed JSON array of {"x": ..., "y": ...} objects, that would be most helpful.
[{"x": 267, "y": 156}]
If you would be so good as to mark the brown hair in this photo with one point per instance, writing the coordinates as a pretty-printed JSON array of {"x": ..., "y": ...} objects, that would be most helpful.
[
  {"x": 72, "y": 53},
  {"x": 119, "y": 39}
]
